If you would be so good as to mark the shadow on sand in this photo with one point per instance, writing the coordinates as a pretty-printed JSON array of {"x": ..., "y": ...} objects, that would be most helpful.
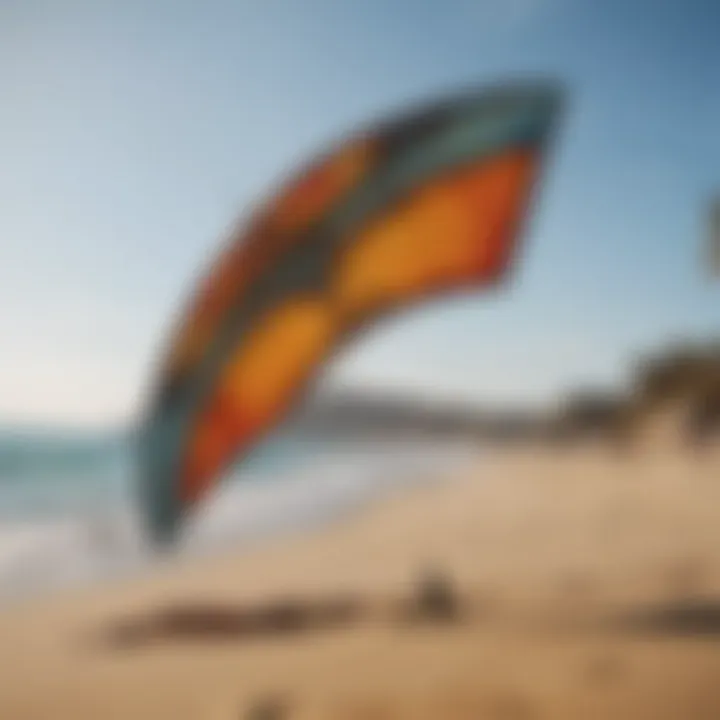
[
  {"x": 202, "y": 622},
  {"x": 433, "y": 601},
  {"x": 689, "y": 617}
]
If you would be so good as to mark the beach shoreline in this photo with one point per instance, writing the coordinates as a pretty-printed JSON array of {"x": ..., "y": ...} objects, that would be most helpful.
[
  {"x": 294, "y": 488},
  {"x": 588, "y": 585}
]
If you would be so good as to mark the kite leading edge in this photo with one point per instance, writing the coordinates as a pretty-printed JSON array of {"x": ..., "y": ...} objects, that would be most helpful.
[{"x": 427, "y": 203}]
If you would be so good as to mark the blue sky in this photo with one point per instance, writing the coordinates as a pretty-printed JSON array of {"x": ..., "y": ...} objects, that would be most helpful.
[{"x": 134, "y": 134}]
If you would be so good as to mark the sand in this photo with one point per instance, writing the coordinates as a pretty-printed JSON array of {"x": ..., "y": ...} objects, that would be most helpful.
[{"x": 588, "y": 586}]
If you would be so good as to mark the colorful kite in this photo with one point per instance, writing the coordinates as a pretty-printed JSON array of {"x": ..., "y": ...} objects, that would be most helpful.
[{"x": 426, "y": 204}]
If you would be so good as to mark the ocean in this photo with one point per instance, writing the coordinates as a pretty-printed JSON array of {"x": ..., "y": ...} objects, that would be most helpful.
[{"x": 69, "y": 513}]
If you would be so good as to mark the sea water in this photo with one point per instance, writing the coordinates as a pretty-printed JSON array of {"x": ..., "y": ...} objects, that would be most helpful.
[{"x": 69, "y": 512}]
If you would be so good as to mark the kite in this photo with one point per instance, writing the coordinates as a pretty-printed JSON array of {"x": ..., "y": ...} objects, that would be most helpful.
[{"x": 427, "y": 203}]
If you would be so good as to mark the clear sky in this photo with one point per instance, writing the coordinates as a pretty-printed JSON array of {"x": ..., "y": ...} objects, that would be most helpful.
[{"x": 133, "y": 133}]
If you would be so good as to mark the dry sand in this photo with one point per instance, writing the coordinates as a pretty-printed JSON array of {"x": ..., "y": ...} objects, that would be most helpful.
[{"x": 589, "y": 587}]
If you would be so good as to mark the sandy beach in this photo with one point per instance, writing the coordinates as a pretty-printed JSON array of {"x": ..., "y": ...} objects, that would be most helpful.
[{"x": 587, "y": 586}]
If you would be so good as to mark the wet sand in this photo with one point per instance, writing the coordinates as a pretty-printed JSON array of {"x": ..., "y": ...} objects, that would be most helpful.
[{"x": 581, "y": 584}]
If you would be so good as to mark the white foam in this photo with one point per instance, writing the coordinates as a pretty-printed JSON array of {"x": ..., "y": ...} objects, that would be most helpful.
[{"x": 43, "y": 554}]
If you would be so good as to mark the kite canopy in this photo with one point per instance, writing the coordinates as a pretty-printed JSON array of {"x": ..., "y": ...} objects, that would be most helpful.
[{"x": 424, "y": 204}]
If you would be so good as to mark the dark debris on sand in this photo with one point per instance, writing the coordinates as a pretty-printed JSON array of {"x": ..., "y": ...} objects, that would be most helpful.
[{"x": 435, "y": 597}]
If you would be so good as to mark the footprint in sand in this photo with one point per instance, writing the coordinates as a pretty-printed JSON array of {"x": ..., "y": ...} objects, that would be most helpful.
[{"x": 268, "y": 708}]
